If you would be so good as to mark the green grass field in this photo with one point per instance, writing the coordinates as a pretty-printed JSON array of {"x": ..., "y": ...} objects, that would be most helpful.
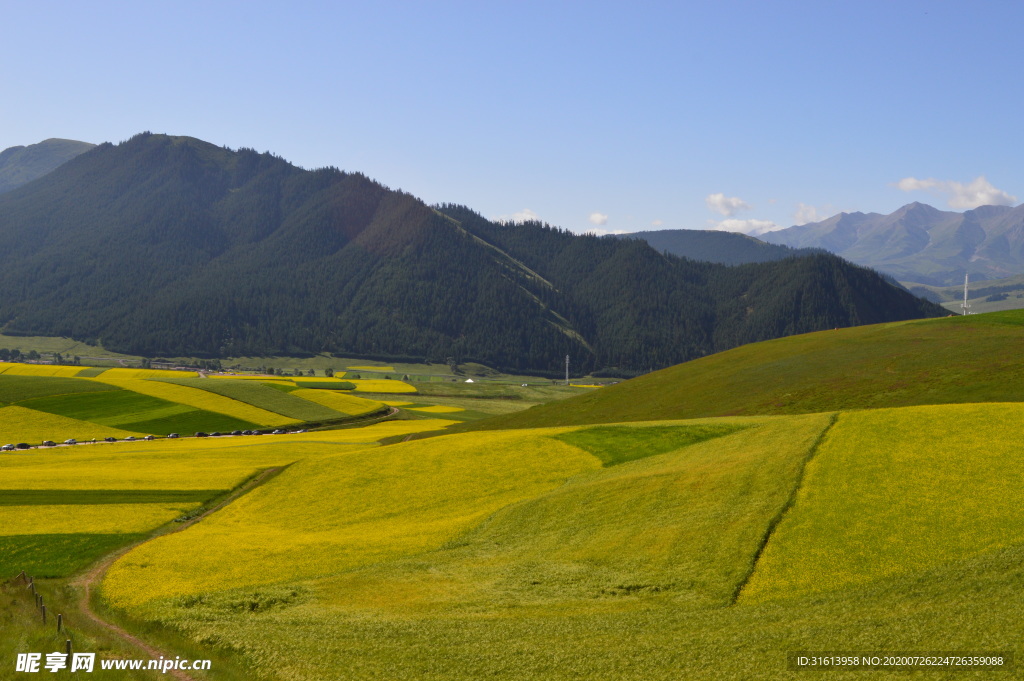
[{"x": 955, "y": 360}]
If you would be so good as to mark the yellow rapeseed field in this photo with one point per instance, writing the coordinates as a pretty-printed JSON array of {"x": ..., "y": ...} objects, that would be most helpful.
[
  {"x": 397, "y": 403},
  {"x": 85, "y": 518},
  {"x": 383, "y": 385},
  {"x": 186, "y": 463},
  {"x": 40, "y": 370},
  {"x": 894, "y": 491},
  {"x": 346, "y": 404},
  {"x": 325, "y": 516},
  {"x": 201, "y": 399},
  {"x": 18, "y": 424}
]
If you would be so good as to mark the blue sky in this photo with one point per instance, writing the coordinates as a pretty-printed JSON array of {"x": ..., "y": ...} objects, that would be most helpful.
[{"x": 608, "y": 116}]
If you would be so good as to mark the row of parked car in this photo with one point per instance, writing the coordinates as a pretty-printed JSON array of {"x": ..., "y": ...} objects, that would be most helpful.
[{"x": 132, "y": 438}]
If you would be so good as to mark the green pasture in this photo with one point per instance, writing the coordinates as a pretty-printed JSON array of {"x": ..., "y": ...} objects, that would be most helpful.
[
  {"x": 619, "y": 444},
  {"x": 936, "y": 361},
  {"x": 56, "y": 555}
]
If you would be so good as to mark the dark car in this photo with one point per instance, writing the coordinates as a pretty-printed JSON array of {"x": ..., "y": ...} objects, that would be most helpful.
[
  {"x": 49, "y": 443},
  {"x": 215, "y": 433},
  {"x": 202, "y": 434},
  {"x": 172, "y": 436},
  {"x": 110, "y": 439},
  {"x": 23, "y": 445},
  {"x": 149, "y": 437},
  {"x": 236, "y": 432}
]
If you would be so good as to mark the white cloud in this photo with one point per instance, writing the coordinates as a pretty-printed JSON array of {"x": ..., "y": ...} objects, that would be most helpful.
[
  {"x": 805, "y": 214},
  {"x": 726, "y": 205},
  {"x": 605, "y": 232},
  {"x": 656, "y": 223},
  {"x": 751, "y": 227},
  {"x": 978, "y": 192},
  {"x": 525, "y": 215},
  {"x": 598, "y": 218}
]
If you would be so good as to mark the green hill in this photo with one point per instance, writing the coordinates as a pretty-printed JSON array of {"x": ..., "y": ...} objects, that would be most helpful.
[
  {"x": 727, "y": 248},
  {"x": 937, "y": 361},
  {"x": 21, "y": 165}
]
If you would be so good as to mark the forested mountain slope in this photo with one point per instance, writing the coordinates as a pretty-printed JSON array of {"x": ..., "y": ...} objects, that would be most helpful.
[{"x": 172, "y": 246}]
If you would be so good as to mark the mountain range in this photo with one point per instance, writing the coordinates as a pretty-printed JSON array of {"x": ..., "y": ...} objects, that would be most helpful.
[
  {"x": 171, "y": 246},
  {"x": 919, "y": 244}
]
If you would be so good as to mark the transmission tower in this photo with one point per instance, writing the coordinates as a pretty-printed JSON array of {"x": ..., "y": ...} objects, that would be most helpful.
[{"x": 965, "y": 305}]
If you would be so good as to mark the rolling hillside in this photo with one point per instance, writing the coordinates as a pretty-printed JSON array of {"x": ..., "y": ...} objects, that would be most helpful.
[{"x": 938, "y": 361}]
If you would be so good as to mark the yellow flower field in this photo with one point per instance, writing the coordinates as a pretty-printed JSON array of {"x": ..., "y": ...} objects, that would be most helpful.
[
  {"x": 201, "y": 399},
  {"x": 894, "y": 491},
  {"x": 383, "y": 385},
  {"x": 18, "y": 424},
  {"x": 346, "y": 404},
  {"x": 39, "y": 370},
  {"x": 186, "y": 463},
  {"x": 93, "y": 519},
  {"x": 321, "y": 517}
]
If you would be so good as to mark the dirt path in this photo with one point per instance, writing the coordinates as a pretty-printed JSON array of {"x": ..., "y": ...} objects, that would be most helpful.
[{"x": 90, "y": 579}]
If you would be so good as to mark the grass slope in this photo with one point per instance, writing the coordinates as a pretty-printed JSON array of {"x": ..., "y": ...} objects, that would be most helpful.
[{"x": 937, "y": 361}]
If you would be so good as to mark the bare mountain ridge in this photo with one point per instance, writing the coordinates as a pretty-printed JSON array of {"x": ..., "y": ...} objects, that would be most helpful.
[{"x": 921, "y": 244}]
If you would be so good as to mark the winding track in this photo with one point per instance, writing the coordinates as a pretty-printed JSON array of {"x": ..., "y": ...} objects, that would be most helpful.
[{"x": 91, "y": 578}]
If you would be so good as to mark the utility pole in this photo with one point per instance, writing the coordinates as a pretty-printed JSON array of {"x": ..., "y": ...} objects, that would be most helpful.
[
  {"x": 567, "y": 369},
  {"x": 965, "y": 305}
]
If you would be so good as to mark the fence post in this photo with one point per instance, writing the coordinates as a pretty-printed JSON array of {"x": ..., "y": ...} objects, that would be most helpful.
[
  {"x": 44, "y": 614},
  {"x": 60, "y": 622}
]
